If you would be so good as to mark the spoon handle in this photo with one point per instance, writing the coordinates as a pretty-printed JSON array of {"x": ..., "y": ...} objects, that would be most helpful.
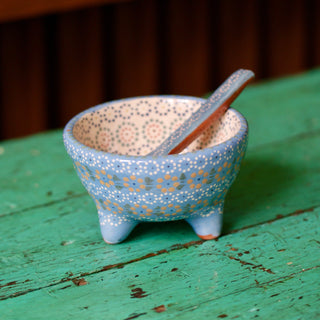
[{"x": 214, "y": 107}]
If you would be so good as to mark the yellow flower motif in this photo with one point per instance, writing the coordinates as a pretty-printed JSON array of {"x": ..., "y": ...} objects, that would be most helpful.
[
  {"x": 142, "y": 186},
  {"x": 133, "y": 177},
  {"x": 101, "y": 182},
  {"x": 159, "y": 186},
  {"x": 103, "y": 171},
  {"x": 192, "y": 186},
  {"x": 163, "y": 190},
  {"x": 225, "y": 164},
  {"x": 167, "y": 176},
  {"x": 149, "y": 210},
  {"x": 171, "y": 189},
  {"x": 176, "y": 184},
  {"x": 204, "y": 181},
  {"x": 170, "y": 205},
  {"x": 159, "y": 180},
  {"x": 140, "y": 180},
  {"x": 136, "y": 205},
  {"x": 126, "y": 179},
  {"x": 97, "y": 172},
  {"x": 111, "y": 182},
  {"x": 206, "y": 174},
  {"x": 217, "y": 176},
  {"x": 144, "y": 206},
  {"x": 193, "y": 175},
  {"x": 175, "y": 178},
  {"x": 220, "y": 168},
  {"x": 109, "y": 176},
  {"x": 198, "y": 186},
  {"x": 189, "y": 181},
  {"x": 131, "y": 189},
  {"x": 200, "y": 172},
  {"x": 126, "y": 185}
]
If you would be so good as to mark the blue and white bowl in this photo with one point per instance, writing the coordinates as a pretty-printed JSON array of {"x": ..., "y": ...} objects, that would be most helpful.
[{"x": 109, "y": 144}]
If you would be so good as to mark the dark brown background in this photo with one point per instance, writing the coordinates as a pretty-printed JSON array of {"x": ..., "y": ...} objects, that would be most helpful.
[{"x": 60, "y": 57}]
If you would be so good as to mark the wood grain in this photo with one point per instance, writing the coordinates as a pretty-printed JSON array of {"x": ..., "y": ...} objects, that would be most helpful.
[
  {"x": 80, "y": 68},
  {"x": 79, "y": 53},
  {"x": 238, "y": 37},
  {"x": 286, "y": 37},
  {"x": 135, "y": 49},
  {"x": 241, "y": 275},
  {"x": 54, "y": 261},
  {"x": 52, "y": 241},
  {"x": 186, "y": 47},
  {"x": 23, "y": 106},
  {"x": 17, "y": 9}
]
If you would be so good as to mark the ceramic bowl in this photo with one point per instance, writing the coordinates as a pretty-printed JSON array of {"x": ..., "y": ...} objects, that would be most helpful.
[{"x": 109, "y": 146}]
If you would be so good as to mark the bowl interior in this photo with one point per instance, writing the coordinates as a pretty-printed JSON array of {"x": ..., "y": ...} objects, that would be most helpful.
[{"x": 137, "y": 126}]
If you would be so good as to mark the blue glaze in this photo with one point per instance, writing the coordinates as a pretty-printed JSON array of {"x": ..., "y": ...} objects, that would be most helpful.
[{"x": 128, "y": 188}]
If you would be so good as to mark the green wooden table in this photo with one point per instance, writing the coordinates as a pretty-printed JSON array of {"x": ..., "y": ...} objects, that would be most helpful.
[{"x": 54, "y": 264}]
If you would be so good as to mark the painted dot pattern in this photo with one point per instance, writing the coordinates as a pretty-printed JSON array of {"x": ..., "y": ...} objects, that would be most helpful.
[{"x": 108, "y": 144}]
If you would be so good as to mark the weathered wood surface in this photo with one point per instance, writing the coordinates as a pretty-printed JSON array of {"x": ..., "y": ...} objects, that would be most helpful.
[{"x": 266, "y": 261}]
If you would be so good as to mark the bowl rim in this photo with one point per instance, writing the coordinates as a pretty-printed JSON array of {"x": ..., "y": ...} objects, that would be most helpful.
[{"x": 69, "y": 137}]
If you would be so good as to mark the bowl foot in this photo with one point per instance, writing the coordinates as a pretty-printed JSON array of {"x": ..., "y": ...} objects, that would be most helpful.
[
  {"x": 208, "y": 226},
  {"x": 115, "y": 230}
]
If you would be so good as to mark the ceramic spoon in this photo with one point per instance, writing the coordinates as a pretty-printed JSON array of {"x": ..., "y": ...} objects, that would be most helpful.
[{"x": 214, "y": 107}]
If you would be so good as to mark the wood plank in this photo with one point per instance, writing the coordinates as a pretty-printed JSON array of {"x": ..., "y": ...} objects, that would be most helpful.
[
  {"x": 259, "y": 266},
  {"x": 286, "y": 37},
  {"x": 36, "y": 171},
  {"x": 80, "y": 62},
  {"x": 267, "y": 188},
  {"x": 282, "y": 108},
  {"x": 17, "y": 9},
  {"x": 238, "y": 37},
  {"x": 135, "y": 49},
  {"x": 23, "y": 87},
  {"x": 186, "y": 48}
]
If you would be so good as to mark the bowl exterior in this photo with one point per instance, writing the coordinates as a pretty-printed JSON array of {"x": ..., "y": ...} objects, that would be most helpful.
[{"x": 190, "y": 186}]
